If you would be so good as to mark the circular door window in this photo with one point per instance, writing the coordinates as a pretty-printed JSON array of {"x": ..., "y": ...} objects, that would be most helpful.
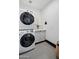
[
  {"x": 27, "y": 18},
  {"x": 27, "y": 40}
]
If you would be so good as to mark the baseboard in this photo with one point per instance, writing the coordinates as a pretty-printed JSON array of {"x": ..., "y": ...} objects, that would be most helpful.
[
  {"x": 50, "y": 43},
  {"x": 39, "y": 42}
]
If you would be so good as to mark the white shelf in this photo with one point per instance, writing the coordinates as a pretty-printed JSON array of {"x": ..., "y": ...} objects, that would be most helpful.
[{"x": 40, "y": 30}]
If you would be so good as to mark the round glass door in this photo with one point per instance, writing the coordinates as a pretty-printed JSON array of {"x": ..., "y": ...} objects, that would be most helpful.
[
  {"x": 27, "y": 40},
  {"x": 27, "y": 18}
]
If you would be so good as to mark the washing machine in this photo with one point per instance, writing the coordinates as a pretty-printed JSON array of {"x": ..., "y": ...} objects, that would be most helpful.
[
  {"x": 26, "y": 40},
  {"x": 29, "y": 19}
]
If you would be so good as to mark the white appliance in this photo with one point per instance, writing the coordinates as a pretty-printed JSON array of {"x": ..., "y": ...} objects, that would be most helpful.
[
  {"x": 26, "y": 40},
  {"x": 29, "y": 19}
]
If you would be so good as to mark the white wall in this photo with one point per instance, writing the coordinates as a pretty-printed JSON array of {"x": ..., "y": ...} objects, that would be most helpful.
[
  {"x": 37, "y": 4},
  {"x": 51, "y": 15}
]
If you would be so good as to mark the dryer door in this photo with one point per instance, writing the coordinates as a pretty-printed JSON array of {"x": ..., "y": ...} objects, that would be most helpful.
[
  {"x": 27, "y": 18},
  {"x": 27, "y": 40}
]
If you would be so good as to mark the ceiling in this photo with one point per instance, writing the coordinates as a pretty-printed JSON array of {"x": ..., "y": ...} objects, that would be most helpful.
[{"x": 38, "y": 4}]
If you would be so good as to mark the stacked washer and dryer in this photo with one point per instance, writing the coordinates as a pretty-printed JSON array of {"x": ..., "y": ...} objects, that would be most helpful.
[{"x": 28, "y": 26}]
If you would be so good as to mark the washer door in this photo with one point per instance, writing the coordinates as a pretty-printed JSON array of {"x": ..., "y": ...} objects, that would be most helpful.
[
  {"x": 27, "y": 40},
  {"x": 27, "y": 18}
]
